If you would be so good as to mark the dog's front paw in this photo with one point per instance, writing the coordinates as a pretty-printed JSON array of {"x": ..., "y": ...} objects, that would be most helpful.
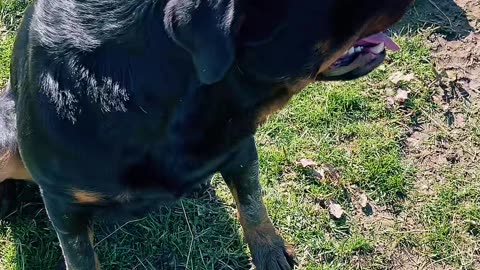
[
  {"x": 7, "y": 197},
  {"x": 269, "y": 250}
]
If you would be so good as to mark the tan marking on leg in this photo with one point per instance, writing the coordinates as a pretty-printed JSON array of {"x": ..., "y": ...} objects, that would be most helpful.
[
  {"x": 259, "y": 232},
  {"x": 91, "y": 237},
  {"x": 251, "y": 216},
  {"x": 87, "y": 197}
]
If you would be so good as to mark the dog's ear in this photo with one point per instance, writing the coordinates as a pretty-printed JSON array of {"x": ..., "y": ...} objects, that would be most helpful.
[
  {"x": 263, "y": 18},
  {"x": 203, "y": 28}
]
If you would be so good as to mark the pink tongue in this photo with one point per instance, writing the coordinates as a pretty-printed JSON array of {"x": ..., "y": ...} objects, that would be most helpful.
[{"x": 379, "y": 38}]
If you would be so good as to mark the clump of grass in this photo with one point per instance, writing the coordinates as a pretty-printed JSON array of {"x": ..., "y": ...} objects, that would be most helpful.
[
  {"x": 6, "y": 46},
  {"x": 10, "y": 14},
  {"x": 452, "y": 221}
]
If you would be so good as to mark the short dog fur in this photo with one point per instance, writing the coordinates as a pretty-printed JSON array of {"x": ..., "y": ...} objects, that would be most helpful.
[{"x": 121, "y": 104}]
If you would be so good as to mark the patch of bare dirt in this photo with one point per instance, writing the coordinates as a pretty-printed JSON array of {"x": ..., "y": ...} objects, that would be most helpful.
[
  {"x": 460, "y": 60},
  {"x": 445, "y": 141},
  {"x": 456, "y": 46},
  {"x": 407, "y": 260},
  {"x": 453, "y": 18},
  {"x": 472, "y": 8}
]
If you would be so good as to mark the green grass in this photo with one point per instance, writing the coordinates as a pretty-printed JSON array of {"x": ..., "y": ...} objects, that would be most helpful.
[
  {"x": 6, "y": 45},
  {"x": 452, "y": 221},
  {"x": 347, "y": 126},
  {"x": 10, "y": 15}
]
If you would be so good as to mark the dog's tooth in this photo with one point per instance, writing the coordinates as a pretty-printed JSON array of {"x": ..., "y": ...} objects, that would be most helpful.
[
  {"x": 378, "y": 49},
  {"x": 358, "y": 49},
  {"x": 351, "y": 51}
]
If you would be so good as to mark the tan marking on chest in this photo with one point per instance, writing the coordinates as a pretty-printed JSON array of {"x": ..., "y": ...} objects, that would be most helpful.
[
  {"x": 281, "y": 101},
  {"x": 11, "y": 167},
  {"x": 87, "y": 197}
]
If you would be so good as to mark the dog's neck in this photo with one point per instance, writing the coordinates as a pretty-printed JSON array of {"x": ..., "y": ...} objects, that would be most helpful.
[{"x": 66, "y": 26}]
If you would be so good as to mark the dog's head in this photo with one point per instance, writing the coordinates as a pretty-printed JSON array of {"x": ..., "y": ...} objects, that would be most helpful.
[{"x": 272, "y": 40}]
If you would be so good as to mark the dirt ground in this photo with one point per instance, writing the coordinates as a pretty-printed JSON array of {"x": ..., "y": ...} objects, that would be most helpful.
[
  {"x": 460, "y": 57},
  {"x": 455, "y": 46},
  {"x": 447, "y": 142}
]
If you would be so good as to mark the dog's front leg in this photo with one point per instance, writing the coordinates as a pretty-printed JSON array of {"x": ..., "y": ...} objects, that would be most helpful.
[
  {"x": 269, "y": 250},
  {"x": 71, "y": 223}
]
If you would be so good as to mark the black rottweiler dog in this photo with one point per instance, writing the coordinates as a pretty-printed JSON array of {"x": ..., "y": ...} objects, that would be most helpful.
[{"x": 125, "y": 103}]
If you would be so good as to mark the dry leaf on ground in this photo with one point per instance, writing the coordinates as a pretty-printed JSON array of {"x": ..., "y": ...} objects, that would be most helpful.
[
  {"x": 307, "y": 163},
  {"x": 363, "y": 200},
  {"x": 400, "y": 77},
  {"x": 326, "y": 172},
  {"x": 335, "y": 210},
  {"x": 401, "y": 96}
]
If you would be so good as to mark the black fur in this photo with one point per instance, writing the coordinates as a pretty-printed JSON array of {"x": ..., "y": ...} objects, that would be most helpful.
[{"x": 204, "y": 29}]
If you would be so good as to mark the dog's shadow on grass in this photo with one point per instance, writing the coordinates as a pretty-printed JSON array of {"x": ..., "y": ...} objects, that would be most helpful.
[
  {"x": 445, "y": 15},
  {"x": 196, "y": 233}
]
